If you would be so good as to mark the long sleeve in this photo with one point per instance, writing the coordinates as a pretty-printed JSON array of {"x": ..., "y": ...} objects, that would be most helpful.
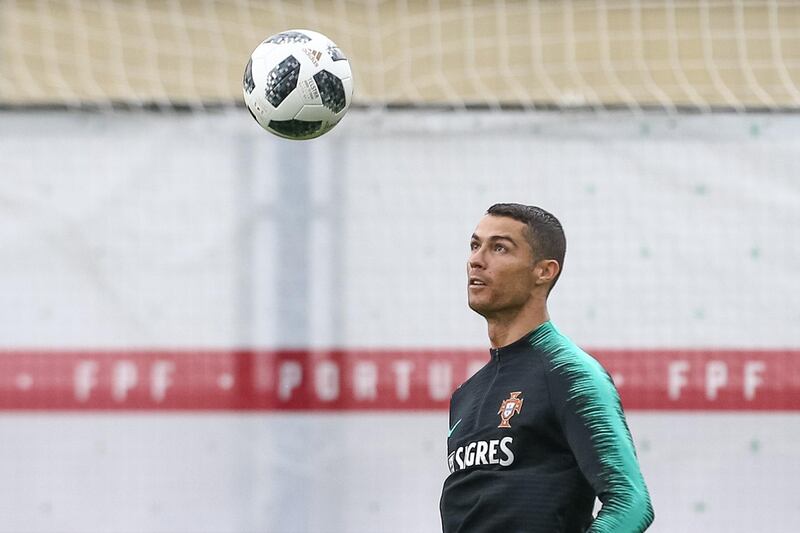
[{"x": 590, "y": 413}]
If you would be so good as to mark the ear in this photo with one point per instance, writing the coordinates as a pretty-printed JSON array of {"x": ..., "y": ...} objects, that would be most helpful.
[{"x": 546, "y": 271}]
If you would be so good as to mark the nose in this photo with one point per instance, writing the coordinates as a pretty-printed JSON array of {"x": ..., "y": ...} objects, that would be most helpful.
[{"x": 476, "y": 259}]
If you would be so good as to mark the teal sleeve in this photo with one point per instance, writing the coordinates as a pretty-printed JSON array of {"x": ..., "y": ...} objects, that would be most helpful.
[{"x": 590, "y": 414}]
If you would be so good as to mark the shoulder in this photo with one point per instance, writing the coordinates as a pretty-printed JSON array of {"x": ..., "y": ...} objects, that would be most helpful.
[
  {"x": 572, "y": 367},
  {"x": 560, "y": 352}
]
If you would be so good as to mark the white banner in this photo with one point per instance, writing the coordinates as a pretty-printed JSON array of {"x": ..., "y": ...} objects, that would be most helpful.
[{"x": 130, "y": 231}]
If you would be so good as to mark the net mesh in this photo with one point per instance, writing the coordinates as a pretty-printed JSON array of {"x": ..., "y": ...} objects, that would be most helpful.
[{"x": 589, "y": 53}]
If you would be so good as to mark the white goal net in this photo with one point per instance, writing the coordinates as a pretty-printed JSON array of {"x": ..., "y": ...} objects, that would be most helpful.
[{"x": 669, "y": 54}]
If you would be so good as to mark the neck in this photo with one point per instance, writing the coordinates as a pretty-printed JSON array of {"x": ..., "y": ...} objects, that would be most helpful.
[{"x": 505, "y": 329}]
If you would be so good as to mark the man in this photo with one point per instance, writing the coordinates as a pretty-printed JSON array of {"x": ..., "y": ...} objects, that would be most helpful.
[{"x": 539, "y": 431}]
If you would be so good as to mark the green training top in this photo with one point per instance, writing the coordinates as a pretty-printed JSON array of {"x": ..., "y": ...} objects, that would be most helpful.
[{"x": 534, "y": 436}]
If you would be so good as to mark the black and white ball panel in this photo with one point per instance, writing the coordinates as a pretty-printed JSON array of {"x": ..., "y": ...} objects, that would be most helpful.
[
  {"x": 295, "y": 128},
  {"x": 291, "y": 36},
  {"x": 247, "y": 83},
  {"x": 282, "y": 80}
]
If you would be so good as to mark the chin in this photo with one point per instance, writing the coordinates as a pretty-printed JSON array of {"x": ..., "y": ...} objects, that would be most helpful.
[{"x": 482, "y": 308}]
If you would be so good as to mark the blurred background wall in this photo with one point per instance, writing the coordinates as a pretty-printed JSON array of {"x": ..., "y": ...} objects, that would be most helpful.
[{"x": 208, "y": 329}]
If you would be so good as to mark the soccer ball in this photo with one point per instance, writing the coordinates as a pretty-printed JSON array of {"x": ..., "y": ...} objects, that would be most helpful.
[{"x": 298, "y": 84}]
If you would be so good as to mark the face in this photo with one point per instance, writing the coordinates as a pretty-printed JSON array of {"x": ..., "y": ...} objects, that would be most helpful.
[{"x": 501, "y": 275}]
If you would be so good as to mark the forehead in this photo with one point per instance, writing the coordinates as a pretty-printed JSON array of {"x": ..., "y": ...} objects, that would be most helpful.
[{"x": 490, "y": 226}]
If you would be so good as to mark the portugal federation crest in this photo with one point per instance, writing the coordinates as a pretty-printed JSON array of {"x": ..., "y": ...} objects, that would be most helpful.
[{"x": 510, "y": 406}]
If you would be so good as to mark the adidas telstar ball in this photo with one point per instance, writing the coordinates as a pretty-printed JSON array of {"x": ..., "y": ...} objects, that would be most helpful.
[{"x": 298, "y": 84}]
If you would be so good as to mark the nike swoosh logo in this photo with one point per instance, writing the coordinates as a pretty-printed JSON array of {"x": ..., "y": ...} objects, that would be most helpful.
[{"x": 452, "y": 429}]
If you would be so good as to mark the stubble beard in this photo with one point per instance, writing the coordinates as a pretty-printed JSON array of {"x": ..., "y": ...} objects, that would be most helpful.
[
  {"x": 492, "y": 310},
  {"x": 477, "y": 308},
  {"x": 487, "y": 309}
]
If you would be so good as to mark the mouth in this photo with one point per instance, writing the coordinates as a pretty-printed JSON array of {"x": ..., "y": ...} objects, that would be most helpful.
[{"x": 476, "y": 282}]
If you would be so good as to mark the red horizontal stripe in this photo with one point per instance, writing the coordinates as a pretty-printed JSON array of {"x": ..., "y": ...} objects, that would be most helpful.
[{"x": 341, "y": 380}]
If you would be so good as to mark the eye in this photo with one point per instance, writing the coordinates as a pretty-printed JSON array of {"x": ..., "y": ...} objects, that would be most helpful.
[
  {"x": 473, "y": 246},
  {"x": 499, "y": 248}
]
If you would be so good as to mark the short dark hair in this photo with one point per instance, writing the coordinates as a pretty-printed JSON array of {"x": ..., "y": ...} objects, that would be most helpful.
[{"x": 545, "y": 234}]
